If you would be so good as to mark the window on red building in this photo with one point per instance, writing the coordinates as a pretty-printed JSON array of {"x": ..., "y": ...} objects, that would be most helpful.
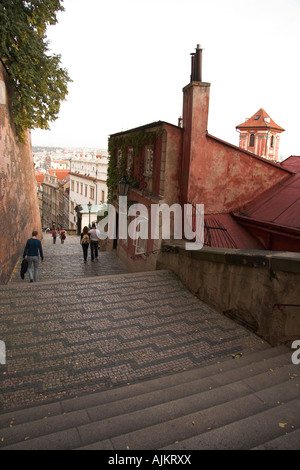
[
  {"x": 129, "y": 161},
  {"x": 119, "y": 158},
  {"x": 252, "y": 140},
  {"x": 149, "y": 161}
]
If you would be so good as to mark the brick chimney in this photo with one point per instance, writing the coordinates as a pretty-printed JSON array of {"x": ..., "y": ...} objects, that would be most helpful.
[{"x": 195, "y": 116}]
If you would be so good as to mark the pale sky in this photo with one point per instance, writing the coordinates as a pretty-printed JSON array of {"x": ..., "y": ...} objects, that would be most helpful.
[{"x": 130, "y": 59}]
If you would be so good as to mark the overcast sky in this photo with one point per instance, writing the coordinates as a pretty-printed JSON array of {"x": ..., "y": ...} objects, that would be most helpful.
[{"x": 130, "y": 59}]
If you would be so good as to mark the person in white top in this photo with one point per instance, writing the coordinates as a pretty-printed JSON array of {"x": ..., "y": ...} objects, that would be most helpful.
[{"x": 94, "y": 237}]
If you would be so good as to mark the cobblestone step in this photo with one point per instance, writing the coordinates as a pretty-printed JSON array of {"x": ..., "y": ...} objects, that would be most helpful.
[
  {"x": 257, "y": 392},
  {"x": 75, "y": 337}
]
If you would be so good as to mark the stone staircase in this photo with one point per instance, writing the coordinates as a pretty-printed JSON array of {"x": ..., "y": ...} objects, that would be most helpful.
[
  {"x": 98, "y": 358},
  {"x": 250, "y": 402}
]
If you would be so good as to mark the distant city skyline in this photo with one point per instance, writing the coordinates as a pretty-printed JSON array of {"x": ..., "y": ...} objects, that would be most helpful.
[{"x": 129, "y": 62}]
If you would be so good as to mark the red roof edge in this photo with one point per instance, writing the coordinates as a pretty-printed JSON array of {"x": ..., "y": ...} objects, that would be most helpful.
[
  {"x": 268, "y": 225},
  {"x": 253, "y": 155},
  {"x": 250, "y": 124}
]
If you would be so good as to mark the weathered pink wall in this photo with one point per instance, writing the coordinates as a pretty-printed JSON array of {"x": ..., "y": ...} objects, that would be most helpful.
[
  {"x": 221, "y": 176},
  {"x": 19, "y": 212},
  {"x": 226, "y": 178}
]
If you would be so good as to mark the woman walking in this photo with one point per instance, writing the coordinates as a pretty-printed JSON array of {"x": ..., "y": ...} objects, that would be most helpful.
[{"x": 85, "y": 241}]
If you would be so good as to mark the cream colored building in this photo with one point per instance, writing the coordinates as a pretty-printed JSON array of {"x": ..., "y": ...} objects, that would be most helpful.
[{"x": 88, "y": 174}]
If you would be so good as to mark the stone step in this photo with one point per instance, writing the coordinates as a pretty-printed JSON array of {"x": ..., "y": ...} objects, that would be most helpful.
[
  {"x": 289, "y": 441},
  {"x": 155, "y": 413},
  {"x": 198, "y": 379},
  {"x": 248, "y": 433},
  {"x": 208, "y": 411}
]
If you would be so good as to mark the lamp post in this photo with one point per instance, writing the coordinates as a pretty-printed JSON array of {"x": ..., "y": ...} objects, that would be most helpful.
[
  {"x": 89, "y": 208},
  {"x": 123, "y": 186}
]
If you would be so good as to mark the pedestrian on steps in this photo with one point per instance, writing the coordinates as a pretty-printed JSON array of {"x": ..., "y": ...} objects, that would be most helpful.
[
  {"x": 32, "y": 250},
  {"x": 85, "y": 241},
  {"x": 95, "y": 237},
  {"x": 62, "y": 236},
  {"x": 54, "y": 235}
]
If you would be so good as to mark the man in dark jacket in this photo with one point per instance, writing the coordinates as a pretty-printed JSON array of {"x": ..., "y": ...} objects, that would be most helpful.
[{"x": 32, "y": 250}]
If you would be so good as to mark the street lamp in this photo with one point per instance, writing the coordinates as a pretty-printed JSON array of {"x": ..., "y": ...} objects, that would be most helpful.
[
  {"x": 123, "y": 186},
  {"x": 89, "y": 208}
]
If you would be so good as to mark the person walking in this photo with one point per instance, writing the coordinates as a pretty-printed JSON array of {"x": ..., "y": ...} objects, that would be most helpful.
[
  {"x": 94, "y": 237},
  {"x": 33, "y": 249},
  {"x": 62, "y": 236},
  {"x": 54, "y": 235},
  {"x": 85, "y": 241}
]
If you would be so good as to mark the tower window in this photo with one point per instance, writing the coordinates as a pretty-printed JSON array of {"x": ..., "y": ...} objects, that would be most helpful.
[
  {"x": 272, "y": 141},
  {"x": 252, "y": 140},
  {"x": 257, "y": 117}
]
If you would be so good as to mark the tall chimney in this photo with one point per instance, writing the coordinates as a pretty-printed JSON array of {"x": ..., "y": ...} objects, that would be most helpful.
[
  {"x": 195, "y": 119},
  {"x": 196, "y": 65}
]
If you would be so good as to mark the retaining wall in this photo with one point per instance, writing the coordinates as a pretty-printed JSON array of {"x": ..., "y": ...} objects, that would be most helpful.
[{"x": 258, "y": 289}]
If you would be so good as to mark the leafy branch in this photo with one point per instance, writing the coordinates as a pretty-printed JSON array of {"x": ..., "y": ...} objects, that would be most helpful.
[{"x": 38, "y": 81}]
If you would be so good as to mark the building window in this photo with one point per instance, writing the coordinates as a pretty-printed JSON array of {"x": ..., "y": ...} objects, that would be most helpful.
[
  {"x": 92, "y": 192},
  {"x": 129, "y": 161},
  {"x": 85, "y": 190},
  {"x": 140, "y": 245},
  {"x": 81, "y": 188},
  {"x": 77, "y": 187},
  {"x": 72, "y": 185},
  {"x": 252, "y": 140},
  {"x": 149, "y": 161},
  {"x": 119, "y": 159},
  {"x": 272, "y": 141},
  {"x": 102, "y": 196}
]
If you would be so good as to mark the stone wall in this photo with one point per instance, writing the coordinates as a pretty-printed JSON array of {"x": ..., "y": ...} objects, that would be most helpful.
[
  {"x": 258, "y": 289},
  {"x": 19, "y": 211}
]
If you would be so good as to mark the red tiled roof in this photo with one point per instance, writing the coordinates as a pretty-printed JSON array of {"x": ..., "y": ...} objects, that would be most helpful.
[
  {"x": 258, "y": 121},
  {"x": 39, "y": 176},
  {"x": 60, "y": 174},
  {"x": 222, "y": 231}
]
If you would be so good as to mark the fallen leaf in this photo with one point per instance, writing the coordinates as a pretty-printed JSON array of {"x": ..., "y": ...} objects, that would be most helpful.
[{"x": 282, "y": 425}]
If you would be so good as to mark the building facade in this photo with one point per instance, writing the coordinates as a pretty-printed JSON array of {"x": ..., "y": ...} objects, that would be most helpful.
[
  {"x": 185, "y": 164},
  {"x": 149, "y": 156},
  {"x": 88, "y": 174},
  {"x": 54, "y": 192},
  {"x": 260, "y": 135}
]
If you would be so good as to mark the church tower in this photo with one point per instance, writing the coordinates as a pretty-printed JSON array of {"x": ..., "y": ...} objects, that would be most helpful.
[{"x": 260, "y": 135}]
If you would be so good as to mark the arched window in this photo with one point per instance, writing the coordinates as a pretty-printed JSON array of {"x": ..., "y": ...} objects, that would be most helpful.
[{"x": 252, "y": 140}]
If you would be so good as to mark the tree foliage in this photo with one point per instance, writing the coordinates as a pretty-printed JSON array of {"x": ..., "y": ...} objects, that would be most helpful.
[{"x": 39, "y": 82}]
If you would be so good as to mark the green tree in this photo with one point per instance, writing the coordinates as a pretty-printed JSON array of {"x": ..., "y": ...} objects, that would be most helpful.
[{"x": 39, "y": 82}]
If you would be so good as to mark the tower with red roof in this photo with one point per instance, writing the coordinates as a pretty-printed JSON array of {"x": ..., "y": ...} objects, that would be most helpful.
[{"x": 260, "y": 135}]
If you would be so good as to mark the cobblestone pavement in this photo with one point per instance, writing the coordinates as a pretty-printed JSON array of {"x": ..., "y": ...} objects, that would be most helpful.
[
  {"x": 65, "y": 261},
  {"x": 90, "y": 327}
]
